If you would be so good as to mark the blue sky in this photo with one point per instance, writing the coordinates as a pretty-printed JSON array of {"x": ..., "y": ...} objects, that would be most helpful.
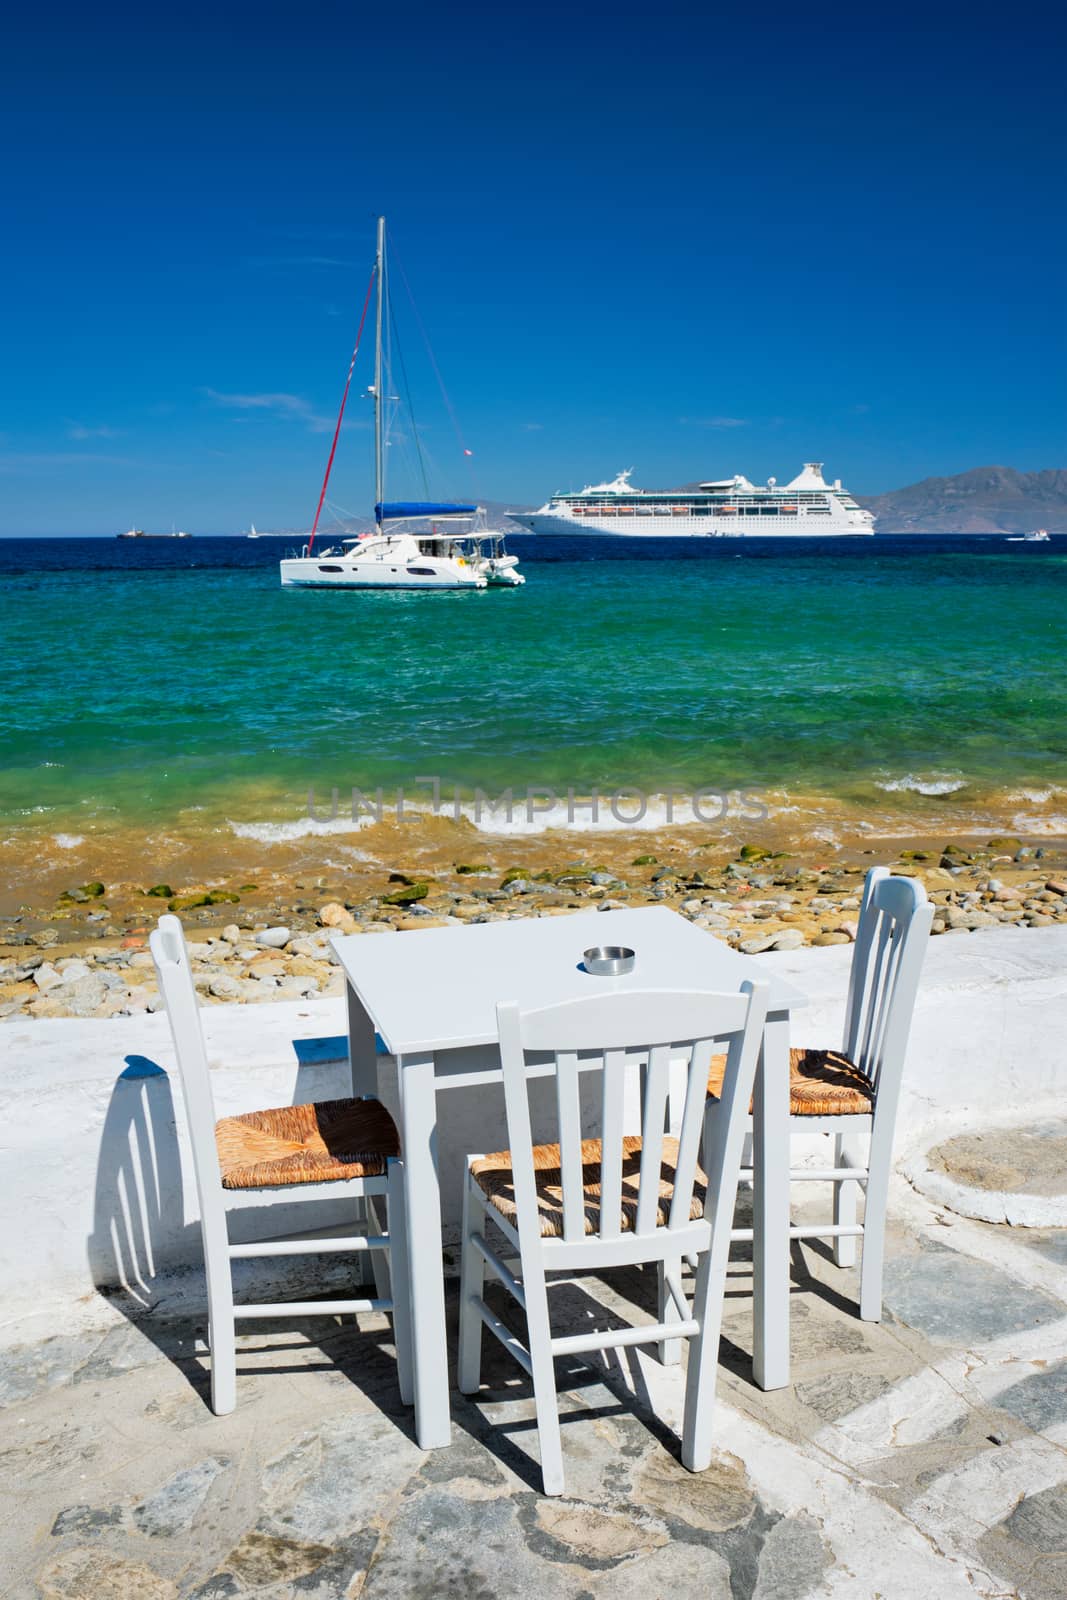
[{"x": 692, "y": 239}]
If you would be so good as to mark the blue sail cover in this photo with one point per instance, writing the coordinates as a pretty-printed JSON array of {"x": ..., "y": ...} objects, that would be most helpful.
[{"x": 386, "y": 509}]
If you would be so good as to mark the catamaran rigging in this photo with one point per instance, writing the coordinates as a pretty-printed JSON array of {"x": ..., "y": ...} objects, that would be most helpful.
[{"x": 395, "y": 555}]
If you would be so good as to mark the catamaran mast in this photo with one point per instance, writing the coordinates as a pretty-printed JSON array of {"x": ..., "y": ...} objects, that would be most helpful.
[{"x": 379, "y": 484}]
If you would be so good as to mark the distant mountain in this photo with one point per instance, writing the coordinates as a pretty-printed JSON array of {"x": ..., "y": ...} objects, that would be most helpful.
[{"x": 984, "y": 500}]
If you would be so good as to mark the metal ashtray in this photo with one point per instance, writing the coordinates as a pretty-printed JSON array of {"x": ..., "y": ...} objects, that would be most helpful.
[{"x": 608, "y": 960}]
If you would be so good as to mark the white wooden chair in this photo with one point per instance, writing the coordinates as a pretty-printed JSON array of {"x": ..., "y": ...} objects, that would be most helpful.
[
  {"x": 582, "y": 1206},
  {"x": 854, "y": 1093},
  {"x": 285, "y": 1154}
]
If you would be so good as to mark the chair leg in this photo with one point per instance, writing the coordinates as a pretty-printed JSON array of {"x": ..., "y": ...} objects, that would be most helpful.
[
  {"x": 539, "y": 1333},
  {"x": 221, "y": 1334},
  {"x": 670, "y": 1351},
  {"x": 846, "y": 1153},
  {"x": 704, "y": 1352},
  {"x": 401, "y": 1287},
  {"x": 874, "y": 1214},
  {"x": 471, "y": 1289},
  {"x": 377, "y": 1220}
]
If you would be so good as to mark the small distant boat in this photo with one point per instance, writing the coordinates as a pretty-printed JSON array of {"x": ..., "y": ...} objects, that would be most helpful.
[
  {"x": 139, "y": 533},
  {"x": 407, "y": 548},
  {"x": 1036, "y": 536},
  {"x": 251, "y": 534}
]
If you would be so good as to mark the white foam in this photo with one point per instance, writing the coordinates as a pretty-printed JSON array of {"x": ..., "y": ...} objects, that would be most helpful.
[
  {"x": 536, "y": 815},
  {"x": 1035, "y": 797},
  {"x": 68, "y": 841},
  {"x": 301, "y": 828},
  {"x": 1042, "y": 826},
  {"x": 913, "y": 785}
]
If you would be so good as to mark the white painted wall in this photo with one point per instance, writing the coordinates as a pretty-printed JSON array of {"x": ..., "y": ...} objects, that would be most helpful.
[{"x": 95, "y": 1182}]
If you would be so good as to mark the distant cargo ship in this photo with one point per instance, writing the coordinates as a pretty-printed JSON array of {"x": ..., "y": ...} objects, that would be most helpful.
[
  {"x": 139, "y": 533},
  {"x": 809, "y": 507}
]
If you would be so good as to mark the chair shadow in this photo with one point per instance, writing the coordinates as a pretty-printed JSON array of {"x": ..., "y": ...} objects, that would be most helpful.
[
  {"x": 141, "y": 1252},
  {"x": 617, "y": 1371}
]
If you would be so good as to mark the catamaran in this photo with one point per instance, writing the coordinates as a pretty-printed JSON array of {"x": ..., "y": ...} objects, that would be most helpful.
[
  {"x": 807, "y": 507},
  {"x": 415, "y": 544}
]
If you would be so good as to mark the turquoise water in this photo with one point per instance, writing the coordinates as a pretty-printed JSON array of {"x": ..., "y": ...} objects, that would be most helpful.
[{"x": 169, "y": 684}]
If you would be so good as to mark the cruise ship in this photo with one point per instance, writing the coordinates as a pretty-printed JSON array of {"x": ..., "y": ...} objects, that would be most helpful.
[{"x": 808, "y": 507}]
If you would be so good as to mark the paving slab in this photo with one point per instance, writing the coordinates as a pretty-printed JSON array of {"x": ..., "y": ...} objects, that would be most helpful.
[{"x": 920, "y": 1456}]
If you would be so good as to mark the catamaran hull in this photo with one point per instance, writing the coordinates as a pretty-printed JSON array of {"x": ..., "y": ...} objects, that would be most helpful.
[
  {"x": 303, "y": 573},
  {"x": 679, "y": 528}
]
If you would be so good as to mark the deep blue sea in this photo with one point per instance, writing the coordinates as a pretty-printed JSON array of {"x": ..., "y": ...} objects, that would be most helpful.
[{"x": 172, "y": 683}]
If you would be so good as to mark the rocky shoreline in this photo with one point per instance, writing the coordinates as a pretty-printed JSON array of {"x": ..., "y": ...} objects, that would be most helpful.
[{"x": 87, "y": 956}]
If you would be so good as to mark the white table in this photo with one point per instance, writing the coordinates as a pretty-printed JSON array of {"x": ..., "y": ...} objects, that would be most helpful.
[{"x": 436, "y": 991}]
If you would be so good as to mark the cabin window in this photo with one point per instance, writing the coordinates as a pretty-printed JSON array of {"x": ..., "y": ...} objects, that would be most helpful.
[
  {"x": 421, "y": 572},
  {"x": 331, "y": 569}
]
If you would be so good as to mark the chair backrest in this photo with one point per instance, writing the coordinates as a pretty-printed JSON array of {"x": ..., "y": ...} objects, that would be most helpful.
[
  {"x": 167, "y": 944},
  {"x": 891, "y": 939},
  {"x": 605, "y": 1034}
]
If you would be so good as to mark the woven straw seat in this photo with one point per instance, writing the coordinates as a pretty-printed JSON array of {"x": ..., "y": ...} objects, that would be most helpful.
[
  {"x": 822, "y": 1083},
  {"x": 494, "y": 1177},
  {"x": 320, "y": 1143}
]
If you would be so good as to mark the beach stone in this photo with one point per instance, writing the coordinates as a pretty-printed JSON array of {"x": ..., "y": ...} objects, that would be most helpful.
[
  {"x": 849, "y": 927},
  {"x": 304, "y": 966},
  {"x": 1057, "y": 885},
  {"x": 790, "y": 939},
  {"x": 824, "y": 939},
  {"x": 258, "y": 989},
  {"x": 225, "y": 987},
  {"x": 72, "y": 969},
  {"x": 266, "y": 967},
  {"x": 273, "y": 938},
  {"x": 969, "y": 921},
  {"x": 232, "y": 933},
  {"x": 81, "y": 998},
  {"x": 296, "y": 988},
  {"x": 46, "y": 977},
  {"x": 756, "y": 947}
]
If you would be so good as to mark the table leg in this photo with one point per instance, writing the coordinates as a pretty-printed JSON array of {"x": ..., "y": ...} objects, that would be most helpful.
[
  {"x": 362, "y": 1059},
  {"x": 770, "y": 1222},
  {"x": 422, "y": 1192}
]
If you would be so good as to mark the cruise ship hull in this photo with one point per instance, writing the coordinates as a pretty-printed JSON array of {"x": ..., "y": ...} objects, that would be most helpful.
[{"x": 691, "y": 528}]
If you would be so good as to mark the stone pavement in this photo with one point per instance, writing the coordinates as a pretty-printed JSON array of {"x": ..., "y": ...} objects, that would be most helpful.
[{"x": 924, "y": 1456}]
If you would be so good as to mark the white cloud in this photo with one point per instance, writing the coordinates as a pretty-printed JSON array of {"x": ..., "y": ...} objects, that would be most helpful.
[
  {"x": 714, "y": 422},
  {"x": 532, "y": 427},
  {"x": 82, "y": 430},
  {"x": 290, "y": 407},
  {"x": 36, "y": 460}
]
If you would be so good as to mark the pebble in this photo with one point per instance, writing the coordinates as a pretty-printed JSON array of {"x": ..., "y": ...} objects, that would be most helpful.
[
  {"x": 225, "y": 987},
  {"x": 1057, "y": 885},
  {"x": 273, "y": 938},
  {"x": 46, "y": 977}
]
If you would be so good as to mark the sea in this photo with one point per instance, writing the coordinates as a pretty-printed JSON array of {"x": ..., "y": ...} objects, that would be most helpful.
[{"x": 170, "y": 687}]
